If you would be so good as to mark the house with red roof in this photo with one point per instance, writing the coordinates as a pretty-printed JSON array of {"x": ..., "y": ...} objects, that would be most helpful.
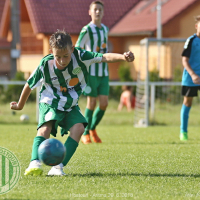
[
  {"x": 141, "y": 21},
  {"x": 129, "y": 21}
]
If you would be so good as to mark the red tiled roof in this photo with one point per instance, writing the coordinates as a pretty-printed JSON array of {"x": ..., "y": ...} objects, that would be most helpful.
[
  {"x": 142, "y": 18},
  {"x": 49, "y": 15}
]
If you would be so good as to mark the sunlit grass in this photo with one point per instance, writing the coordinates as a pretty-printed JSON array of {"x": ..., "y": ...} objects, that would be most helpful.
[{"x": 131, "y": 163}]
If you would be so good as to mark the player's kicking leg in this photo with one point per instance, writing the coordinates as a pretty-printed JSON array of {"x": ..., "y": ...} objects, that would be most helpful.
[{"x": 43, "y": 133}]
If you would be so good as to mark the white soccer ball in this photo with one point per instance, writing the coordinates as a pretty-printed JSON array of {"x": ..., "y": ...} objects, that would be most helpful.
[
  {"x": 24, "y": 118},
  {"x": 142, "y": 122}
]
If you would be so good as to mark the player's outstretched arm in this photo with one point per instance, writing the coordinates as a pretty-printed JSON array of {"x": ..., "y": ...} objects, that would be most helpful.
[
  {"x": 22, "y": 100},
  {"x": 115, "y": 57}
]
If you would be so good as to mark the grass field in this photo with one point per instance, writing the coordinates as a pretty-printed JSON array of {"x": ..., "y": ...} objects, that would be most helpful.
[{"x": 131, "y": 163}]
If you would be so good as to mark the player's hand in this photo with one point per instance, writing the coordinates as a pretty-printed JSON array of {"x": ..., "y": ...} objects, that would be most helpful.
[
  {"x": 14, "y": 106},
  {"x": 129, "y": 56},
  {"x": 195, "y": 79}
]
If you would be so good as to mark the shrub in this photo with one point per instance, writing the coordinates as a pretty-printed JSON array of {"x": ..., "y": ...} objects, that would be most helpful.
[
  {"x": 124, "y": 76},
  {"x": 13, "y": 92}
]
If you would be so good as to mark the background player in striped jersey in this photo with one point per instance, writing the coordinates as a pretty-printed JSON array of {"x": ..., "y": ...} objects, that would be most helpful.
[
  {"x": 62, "y": 76},
  {"x": 191, "y": 76},
  {"x": 94, "y": 37}
]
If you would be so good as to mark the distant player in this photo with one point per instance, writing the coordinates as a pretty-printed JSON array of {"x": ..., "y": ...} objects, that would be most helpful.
[
  {"x": 127, "y": 99},
  {"x": 62, "y": 76},
  {"x": 191, "y": 76},
  {"x": 94, "y": 37}
]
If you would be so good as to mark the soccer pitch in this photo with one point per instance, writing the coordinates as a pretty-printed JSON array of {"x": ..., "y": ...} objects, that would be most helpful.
[{"x": 131, "y": 163}]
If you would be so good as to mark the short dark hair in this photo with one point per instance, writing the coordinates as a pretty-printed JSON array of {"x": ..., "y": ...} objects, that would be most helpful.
[
  {"x": 126, "y": 87},
  {"x": 97, "y": 2},
  {"x": 60, "y": 40},
  {"x": 197, "y": 18}
]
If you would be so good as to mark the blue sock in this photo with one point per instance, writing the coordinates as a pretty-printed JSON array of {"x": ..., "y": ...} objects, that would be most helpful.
[{"x": 184, "y": 118}]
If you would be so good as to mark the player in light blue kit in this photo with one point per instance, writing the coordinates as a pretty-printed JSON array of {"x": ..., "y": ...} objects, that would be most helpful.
[{"x": 191, "y": 77}]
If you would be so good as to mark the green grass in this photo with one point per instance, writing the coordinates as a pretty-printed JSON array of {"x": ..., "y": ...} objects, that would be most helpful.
[{"x": 131, "y": 163}]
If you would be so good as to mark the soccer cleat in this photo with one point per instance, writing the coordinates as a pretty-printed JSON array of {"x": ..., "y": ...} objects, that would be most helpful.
[
  {"x": 85, "y": 139},
  {"x": 34, "y": 168},
  {"x": 183, "y": 136},
  {"x": 57, "y": 170},
  {"x": 94, "y": 136}
]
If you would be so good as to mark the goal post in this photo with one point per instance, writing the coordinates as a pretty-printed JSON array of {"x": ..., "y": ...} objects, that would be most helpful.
[{"x": 160, "y": 57}]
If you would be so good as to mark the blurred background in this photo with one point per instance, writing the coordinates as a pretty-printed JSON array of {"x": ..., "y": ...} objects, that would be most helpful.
[{"x": 26, "y": 25}]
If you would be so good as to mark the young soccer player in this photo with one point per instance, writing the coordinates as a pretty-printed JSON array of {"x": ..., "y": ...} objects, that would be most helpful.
[
  {"x": 191, "y": 77},
  {"x": 63, "y": 76},
  {"x": 127, "y": 99},
  {"x": 94, "y": 37}
]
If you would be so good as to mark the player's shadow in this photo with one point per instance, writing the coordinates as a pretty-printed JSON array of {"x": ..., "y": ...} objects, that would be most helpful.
[
  {"x": 155, "y": 123},
  {"x": 157, "y": 143},
  {"x": 92, "y": 174},
  {"x": 18, "y": 123}
]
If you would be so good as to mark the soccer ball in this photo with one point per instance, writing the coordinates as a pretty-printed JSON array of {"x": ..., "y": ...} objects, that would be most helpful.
[
  {"x": 142, "y": 122},
  {"x": 24, "y": 118},
  {"x": 51, "y": 152}
]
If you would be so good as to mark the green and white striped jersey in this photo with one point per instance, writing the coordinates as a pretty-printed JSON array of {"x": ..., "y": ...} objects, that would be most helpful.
[
  {"x": 95, "y": 39},
  {"x": 62, "y": 88}
]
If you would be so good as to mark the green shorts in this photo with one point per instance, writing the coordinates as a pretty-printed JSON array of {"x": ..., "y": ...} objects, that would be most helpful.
[
  {"x": 97, "y": 86},
  {"x": 61, "y": 118}
]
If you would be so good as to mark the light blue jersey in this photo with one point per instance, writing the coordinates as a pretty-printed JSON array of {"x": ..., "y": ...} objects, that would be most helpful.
[{"x": 192, "y": 51}]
